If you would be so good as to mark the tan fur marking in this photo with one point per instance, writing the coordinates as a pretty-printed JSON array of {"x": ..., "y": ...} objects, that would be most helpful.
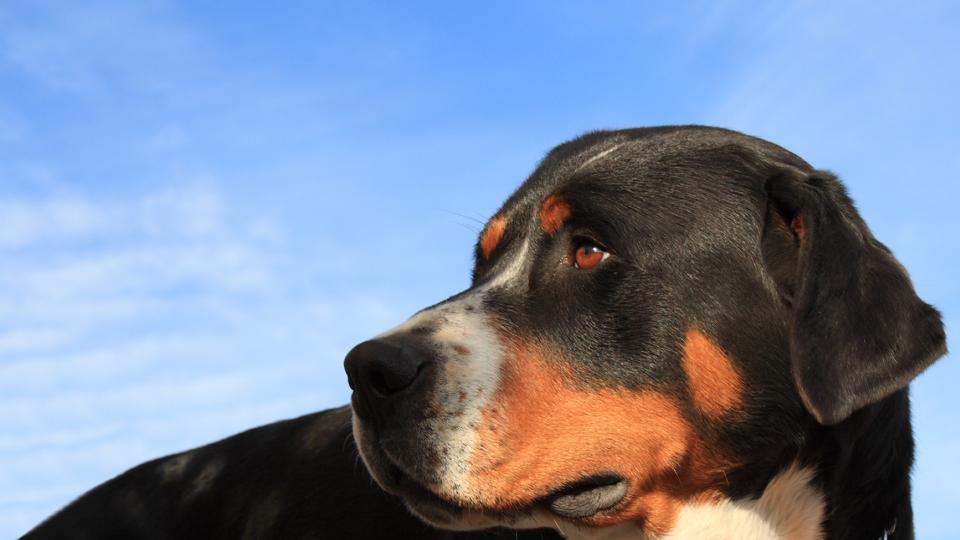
[
  {"x": 492, "y": 235},
  {"x": 543, "y": 430},
  {"x": 799, "y": 227},
  {"x": 715, "y": 385},
  {"x": 554, "y": 212}
]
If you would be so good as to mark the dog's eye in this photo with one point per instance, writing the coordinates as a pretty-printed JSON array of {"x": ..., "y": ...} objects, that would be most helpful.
[{"x": 588, "y": 255}]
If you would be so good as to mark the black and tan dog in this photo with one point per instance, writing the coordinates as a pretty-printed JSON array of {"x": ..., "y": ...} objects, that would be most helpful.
[{"x": 678, "y": 332}]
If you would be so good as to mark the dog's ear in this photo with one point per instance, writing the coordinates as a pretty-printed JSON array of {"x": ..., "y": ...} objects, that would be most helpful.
[{"x": 858, "y": 331}]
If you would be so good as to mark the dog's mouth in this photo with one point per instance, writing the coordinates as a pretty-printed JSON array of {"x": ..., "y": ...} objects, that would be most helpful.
[
  {"x": 578, "y": 500},
  {"x": 419, "y": 498}
]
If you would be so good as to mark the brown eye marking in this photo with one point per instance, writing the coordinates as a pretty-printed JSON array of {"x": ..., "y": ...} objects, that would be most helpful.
[
  {"x": 554, "y": 212},
  {"x": 715, "y": 385},
  {"x": 491, "y": 235},
  {"x": 588, "y": 256}
]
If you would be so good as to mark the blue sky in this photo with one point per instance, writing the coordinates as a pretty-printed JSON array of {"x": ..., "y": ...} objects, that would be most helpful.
[{"x": 202, "y": 209}]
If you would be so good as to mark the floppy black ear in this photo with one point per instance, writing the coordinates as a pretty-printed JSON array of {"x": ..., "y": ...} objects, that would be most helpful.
[{"x": 858, "y": 331}]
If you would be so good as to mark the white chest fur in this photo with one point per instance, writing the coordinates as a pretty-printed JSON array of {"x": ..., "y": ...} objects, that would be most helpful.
[{"x": 789, "y": 509}]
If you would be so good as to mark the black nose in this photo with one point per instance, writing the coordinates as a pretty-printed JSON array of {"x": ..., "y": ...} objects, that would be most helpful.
[{"x": 380, "y": 373}]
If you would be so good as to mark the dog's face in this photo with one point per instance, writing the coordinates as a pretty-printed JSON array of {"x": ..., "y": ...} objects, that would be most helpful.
[{"x": 626, "y": 348}]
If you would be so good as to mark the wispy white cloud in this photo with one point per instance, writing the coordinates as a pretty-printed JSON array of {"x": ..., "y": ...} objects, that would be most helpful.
[
  {"x": 26, "y": 222},
  {"x": 62, "y": 437},
  {"x": 132, "y": 399},
  {"x": 78, "y": 49},
  {"x": 192, "y": 210},
  {"x": 136, "y": 324},
  {"x": 31, "y": 340},
  {"x": 33, "y": 369},
  {"x": 232, "y": 265}
]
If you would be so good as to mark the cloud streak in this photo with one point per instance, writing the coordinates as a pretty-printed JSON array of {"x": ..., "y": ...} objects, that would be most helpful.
[{"x": 148, "y": 323}]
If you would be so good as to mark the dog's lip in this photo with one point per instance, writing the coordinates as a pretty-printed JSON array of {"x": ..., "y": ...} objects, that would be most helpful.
[
  {"x": 421, "y": 498},
  {"x": 587, "y": 497},
  {"x": 426, "y": 501},
  {"x": 580, "y": 499}
]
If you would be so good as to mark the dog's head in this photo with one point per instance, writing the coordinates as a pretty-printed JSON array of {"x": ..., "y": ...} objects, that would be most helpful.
[{"x": 656, "y": 318}]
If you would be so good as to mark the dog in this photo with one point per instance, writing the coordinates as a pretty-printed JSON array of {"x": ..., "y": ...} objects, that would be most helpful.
[{"x": 672, "y": 332}]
